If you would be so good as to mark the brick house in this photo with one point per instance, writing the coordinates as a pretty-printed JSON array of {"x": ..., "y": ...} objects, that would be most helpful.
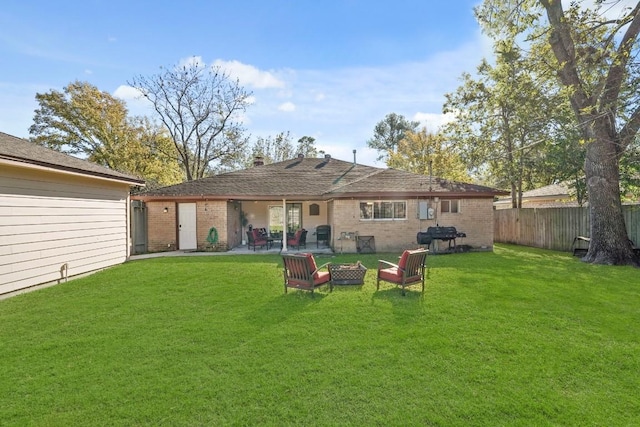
[{"x": 390, "y": 205}]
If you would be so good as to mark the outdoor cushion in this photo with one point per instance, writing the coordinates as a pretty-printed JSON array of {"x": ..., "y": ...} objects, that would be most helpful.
[
  {"x": 318, "y": 276},
  {"x": 409, "y": 270}
]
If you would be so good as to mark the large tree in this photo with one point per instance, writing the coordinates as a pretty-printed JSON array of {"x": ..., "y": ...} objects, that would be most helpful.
[
  {"x": 595, "y": 63},
  {"x": 201, "y": 108},
  {"x": 85, "y": 121},
  {"x": 428, "y": 154},
  {"x": 389, "y": 132},
  {"x": 504, "y": 120}
]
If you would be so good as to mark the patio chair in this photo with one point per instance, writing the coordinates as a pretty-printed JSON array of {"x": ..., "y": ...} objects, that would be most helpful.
[
  {"x": 301, "y": 272},
  {"x": 298, "y": 240},
  {"x": 254, "y": 238},
  {"x": 409, "y": 270}
]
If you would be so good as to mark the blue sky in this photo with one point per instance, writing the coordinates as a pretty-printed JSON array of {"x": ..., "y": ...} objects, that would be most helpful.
[{"x": 328, "y": 69}]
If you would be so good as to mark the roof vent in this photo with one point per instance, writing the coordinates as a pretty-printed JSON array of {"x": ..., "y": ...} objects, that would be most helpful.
[
  {"x": 300, "y": 156},
  {"x": 327, "y": 157},
  {"x": 258, "y": 161}
]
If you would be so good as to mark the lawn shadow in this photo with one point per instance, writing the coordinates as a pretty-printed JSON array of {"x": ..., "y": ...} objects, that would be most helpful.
[
  {"x": 285, "y": 306},
  {"x": 404, "y": 307}
]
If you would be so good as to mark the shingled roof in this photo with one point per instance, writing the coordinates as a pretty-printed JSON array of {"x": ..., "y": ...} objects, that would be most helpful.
[
  {"x": 316, "y": 178},
  {"x": 22, "y": 151}
]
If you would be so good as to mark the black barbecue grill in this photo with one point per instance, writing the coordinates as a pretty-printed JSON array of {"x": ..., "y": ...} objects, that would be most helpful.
[{"x": 446, "y": 234}]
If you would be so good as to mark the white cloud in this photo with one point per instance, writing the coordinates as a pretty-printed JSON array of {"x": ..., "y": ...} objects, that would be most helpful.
[
  {"x": 287, "y": 107},
  {"x": 127, "y": 93},
  {"x": 354, "y": 100},
  {"x": 136, "y": 102},
  {"x": 192, "y": 61},
  {"x": 433, "y": 121},
  {"x": 249, "y": 75}
]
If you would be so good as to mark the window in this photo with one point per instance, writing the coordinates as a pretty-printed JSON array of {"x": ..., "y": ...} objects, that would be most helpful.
[
  {"x": 450, "y": 206},
  {"x": 275, "y": 219},
  {"x": 383, "y": 210},
  {"x": 294, "y": 217}
]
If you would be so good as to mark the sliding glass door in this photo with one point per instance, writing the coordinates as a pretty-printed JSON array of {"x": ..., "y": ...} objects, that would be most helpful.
[{"x": 294, "y": 217}]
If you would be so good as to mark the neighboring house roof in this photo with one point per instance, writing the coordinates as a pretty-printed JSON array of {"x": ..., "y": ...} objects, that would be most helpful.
[
  {"x": 553, "y": 191},
  {"x": 316, "y": 178},
  {"x": 554, "y": 195},
  {"x": 22, "y": 151}
]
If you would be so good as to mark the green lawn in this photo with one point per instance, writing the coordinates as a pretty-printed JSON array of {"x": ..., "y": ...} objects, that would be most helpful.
[{"x": 518, "y": 337}]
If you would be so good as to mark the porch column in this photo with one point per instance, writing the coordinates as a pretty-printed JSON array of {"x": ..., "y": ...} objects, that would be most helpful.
[{"x": 284, "y": 225}]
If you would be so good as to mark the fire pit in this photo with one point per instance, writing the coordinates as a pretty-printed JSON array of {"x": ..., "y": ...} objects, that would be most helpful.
[{"x": 347, "y": 274}]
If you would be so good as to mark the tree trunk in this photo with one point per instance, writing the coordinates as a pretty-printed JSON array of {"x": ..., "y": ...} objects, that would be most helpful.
[
  {"x": 514, "y": 196},
  {"x": 609, "y": 240}
]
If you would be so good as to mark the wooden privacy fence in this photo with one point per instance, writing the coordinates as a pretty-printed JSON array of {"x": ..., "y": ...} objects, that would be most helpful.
[{"x": 553, "y": 228}]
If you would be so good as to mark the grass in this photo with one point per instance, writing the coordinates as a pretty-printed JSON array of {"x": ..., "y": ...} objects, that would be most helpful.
[{"x": 518, "y": 337}]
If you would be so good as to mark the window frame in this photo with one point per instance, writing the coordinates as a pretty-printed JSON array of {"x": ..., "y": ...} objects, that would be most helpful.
[
  {"x": 450, "y": 203},
  {"x": 378, "y": 207}
]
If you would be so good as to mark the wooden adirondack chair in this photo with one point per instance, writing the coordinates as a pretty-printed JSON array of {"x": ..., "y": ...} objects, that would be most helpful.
[
  {"x": 301, "y": 272},
  {"x": 409, "y": 270}
]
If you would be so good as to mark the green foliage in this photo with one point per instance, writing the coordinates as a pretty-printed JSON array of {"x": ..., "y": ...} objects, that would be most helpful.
[
  {"x": 516, "y": 337},
  {"x": 593, "y": 56},
  {"x": 508, "y": 121},
  {"x": 81, "y": 120},
  {"x": 307, "y": 146},
  {"x": 389, "y": 132},
  {"x": 274, "y": 149},
  {"x": 428, "y": 154},
  {"x": 84, "y": 121},
  {"x": 200, "y": 107}
]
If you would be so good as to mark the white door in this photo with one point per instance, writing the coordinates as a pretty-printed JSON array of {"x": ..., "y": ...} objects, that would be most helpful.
[{"x": 187, "y": 235}]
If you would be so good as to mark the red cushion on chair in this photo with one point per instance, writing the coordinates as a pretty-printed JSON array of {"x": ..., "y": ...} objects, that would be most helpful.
[
  {"x": 403, "y": 259},
  {"x": 312, "y": 261},
  {"x": 312, "y": 265},
  {"x": 320, "y": 276},
  {"x": 258, "y": 238},
  {"x": 294, "y": 241},
  {"x": 391, "y": 274}
]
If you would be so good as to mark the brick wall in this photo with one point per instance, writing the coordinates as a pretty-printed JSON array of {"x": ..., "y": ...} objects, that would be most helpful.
[
  {"x": 212, "y": 214},
  {"x": 162, "y": 230},
  {"x": 161, "y": 226},
  {"x": 475, "y": 219}
]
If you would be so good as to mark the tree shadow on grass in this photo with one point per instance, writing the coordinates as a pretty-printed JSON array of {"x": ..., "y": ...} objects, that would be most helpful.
[
  {"x": 285, "y": 306},
  {"x": 404, "y": 308}
]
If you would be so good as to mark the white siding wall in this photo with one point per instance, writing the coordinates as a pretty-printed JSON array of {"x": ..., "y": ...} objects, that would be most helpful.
[{"x": 49, "y": 220}]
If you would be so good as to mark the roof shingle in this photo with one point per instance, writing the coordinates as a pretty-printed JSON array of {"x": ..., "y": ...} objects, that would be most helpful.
[
  {"x": 23, "y": 151},
  {"x": 317, "y": 178}
]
